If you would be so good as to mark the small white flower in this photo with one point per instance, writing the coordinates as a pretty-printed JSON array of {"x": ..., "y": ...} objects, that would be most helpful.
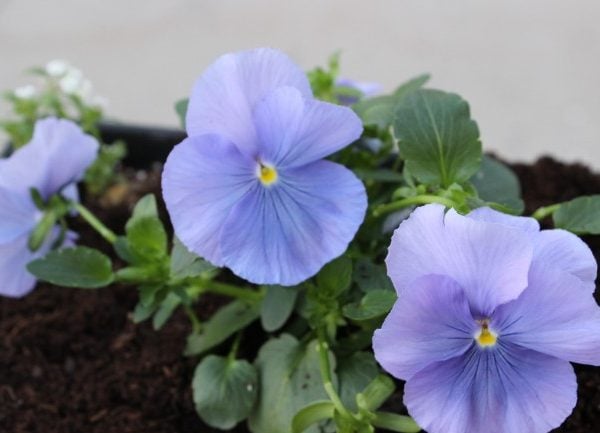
[
  {"x": 25, "y": 92},
  {"x": 57, "y": 68},
  {"x": 72, "y": 82}
]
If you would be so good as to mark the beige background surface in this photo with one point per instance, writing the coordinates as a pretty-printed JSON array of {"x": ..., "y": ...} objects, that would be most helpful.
[{"x": 530, "y": 69}]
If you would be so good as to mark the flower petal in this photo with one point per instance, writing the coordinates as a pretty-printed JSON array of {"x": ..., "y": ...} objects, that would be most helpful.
[
  {"x": 224, "y": 96},
  {"x": 294, "y": 131},
  {"x": 430, "y": 322},
  {"x": 285, "y": 233},
  {"x": 554, "y": 315},
  {"x": 560, "y": 249},
  {"x": 501, "y": 390},
  {"x": 489, "y": 261},
  {"x": 58, "y": 154},
  {"x": 17, "y": 215},
  {"x": 527, "y": 224},
  {"x": 203, "y": 178}
]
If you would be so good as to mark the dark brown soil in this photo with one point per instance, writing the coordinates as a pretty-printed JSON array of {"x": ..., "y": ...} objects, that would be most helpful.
[{"x": 72, "y": 361}]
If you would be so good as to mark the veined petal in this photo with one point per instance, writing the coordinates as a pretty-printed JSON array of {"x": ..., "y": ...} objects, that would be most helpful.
[
  {"x": 504, "y": 390},
  {"x": 284, "y": 233},
  {"x": 224, "y": 96},
  {"x": 486, "y": 214},
  {"x": 203, "y": 178},
  {"x": 294, "y": 131},
  {"x": 555, "y": 315},
  {"x": 489, "y": 261},
  {"x": 58, "y": 154},
  {"x": 430, "y": 322},
  {"x": 560, "y": 249},
  {"x": 17, "y": 215}
]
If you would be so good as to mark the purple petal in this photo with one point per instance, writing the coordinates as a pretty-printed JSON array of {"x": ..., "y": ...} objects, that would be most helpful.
[
  {"x": 17, "y": 215},
  {"x": 559, "y": 249},
  {"x": 502, "y": 390},
  {"x": 489, "y": 261},
  {"x": 224, "y": 96},
  {"x": 294, "y": 131},
  {"x": 203, "y": 178},
  {"x": 284, "y": 233},
  {"x": 527, "y": 224},
  {"x": 430, "y": 322},
  {"x": 555, "y": 315}
]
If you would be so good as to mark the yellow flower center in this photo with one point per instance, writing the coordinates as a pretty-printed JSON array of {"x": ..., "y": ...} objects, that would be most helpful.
[
  {"x": 486, "y": 337},
  {"x": 267, "y": 174}
]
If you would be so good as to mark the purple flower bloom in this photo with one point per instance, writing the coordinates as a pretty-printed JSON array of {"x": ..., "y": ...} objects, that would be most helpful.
[
  {"x": 366, "y": 89},
  {"x": 248, "y": 188},
  {"x": 490, "y": 312},
  {"x": 52, "y": 162}
]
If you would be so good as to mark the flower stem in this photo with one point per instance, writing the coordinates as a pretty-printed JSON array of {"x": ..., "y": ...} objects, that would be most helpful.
[
  {"x": 325, "y": 367},
  {"x": 91, "y": 219},
  {"x": 233, "y": 291},
  {"x": 196, "y": 323},
  {"x": 545, "y": 211},
  {"x": 409, "y": 201}
]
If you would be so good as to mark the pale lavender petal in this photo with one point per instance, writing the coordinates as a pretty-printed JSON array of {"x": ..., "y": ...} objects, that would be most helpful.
[
  {"x": 203, "y": 178},
  {"x": 430, "y": 322},
  {"x": 58, "y": 154},
  {"x": 502, "y": 390},
  {"x": 284, "y": 233},
  {"x": 560, "y": 249},
  {"x": 554, "y": 315},
  {"x": 224, "y": 96},
  {"x": 527, "y": 224},
  {"x": 294, "y": 131},
  {"x": 18, "y": 215},
  {"x": 489, "y": 261}
]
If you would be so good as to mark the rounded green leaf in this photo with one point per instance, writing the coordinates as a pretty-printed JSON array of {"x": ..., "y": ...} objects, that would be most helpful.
[
  {"x": 81, "y": 267},
  {"x": 374, "y": 304},
  {"x": 277, "y": 306},
  {"x": 581, "y": 215},
  {"x": 497, "y": 183},
  {"x": 224, "y": 390}
]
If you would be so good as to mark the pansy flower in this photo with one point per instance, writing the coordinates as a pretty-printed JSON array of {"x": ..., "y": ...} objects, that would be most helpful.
[
  {"x": 54, "y": 160},
  {"x": 350, "y": 91},
  {"x": 249, "y": 189},
  {"x": 491, "y": 311}
]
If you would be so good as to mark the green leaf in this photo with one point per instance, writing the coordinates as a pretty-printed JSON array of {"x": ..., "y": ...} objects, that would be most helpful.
[
  {"x": 226, "y": 322},
  {"x": 336, "y": 276},
  {"x": 165, "y": 311},
  {"x": 497, "y": 183},
  {"x": 374, "y": 304},
  {"x": 581, "y": 215},
  {"x": 290, "y": 379},
  {"x": 395, "y": 423},
  {"x": 277, "y": 306},
  {"x": 81, "y": 267},
  {"x": 370, "y": 276},
  {"x": 185, "y": 264},
  {"x": 411, "y": 85},
  {"x": 224, "y": 391},
  {"x": 144, "y": 208},
  {"x": 354, "y": 374},
  {"x": 312, "y": 414},
  {"x": 181, "y": 108},
  {"x": 146, "y": 235},
  {"x": 378, "y": 391},
  {"x": 382, "y": 175},
  {"x": 437, "y": 137}
]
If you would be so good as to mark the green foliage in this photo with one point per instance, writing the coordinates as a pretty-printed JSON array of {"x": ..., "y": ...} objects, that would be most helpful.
[
  {"x": 312, "y": 414},
  {"x": 74, "y": 267},
  {"x": 146, "y": 236},
  {"x": 101, "y": 174},
  {"x": 581, "y": 215},
  {"x": 290, "y": 380},
  {"x": 181, "y": 108},
  {"x": 369, "y": 276},
  {"x": 437, "y": 137},
  {"x": 225, "y": 390},
  {"x": 374, "y": 304},
  {"x": 497, "y": 183},
  {"x": 355, "y": 372},
  {"x": 185, "y": 264},
  {"x": 335, "y": 277},
  {"x": 322, "y": 80},
  {"x": 222, "y": 325},
  {"x": 277, "y": 306}
]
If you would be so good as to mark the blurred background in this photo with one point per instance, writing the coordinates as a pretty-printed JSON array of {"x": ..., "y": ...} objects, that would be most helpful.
[{"x": 530, "y": 70}]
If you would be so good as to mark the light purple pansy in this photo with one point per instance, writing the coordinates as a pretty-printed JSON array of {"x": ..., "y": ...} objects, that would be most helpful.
[
  {"x": 52, "y": 162},
  {"x": 491, "y": 311},
  {"x": 367, "y": 89},
  {"x": 249, "y": 189}
]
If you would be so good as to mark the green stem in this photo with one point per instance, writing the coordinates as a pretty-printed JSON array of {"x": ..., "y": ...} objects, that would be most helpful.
[
  {"x": 545, "y": 211},
  {"x": 409, "y": 201},
  {"x": 325, "y": 367},
  {"x": 196, "y": 323},
  {"x": 234, "y": 347},
  {"x": 91, "y": 219},
  {"x": 232, "y": 291}
]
